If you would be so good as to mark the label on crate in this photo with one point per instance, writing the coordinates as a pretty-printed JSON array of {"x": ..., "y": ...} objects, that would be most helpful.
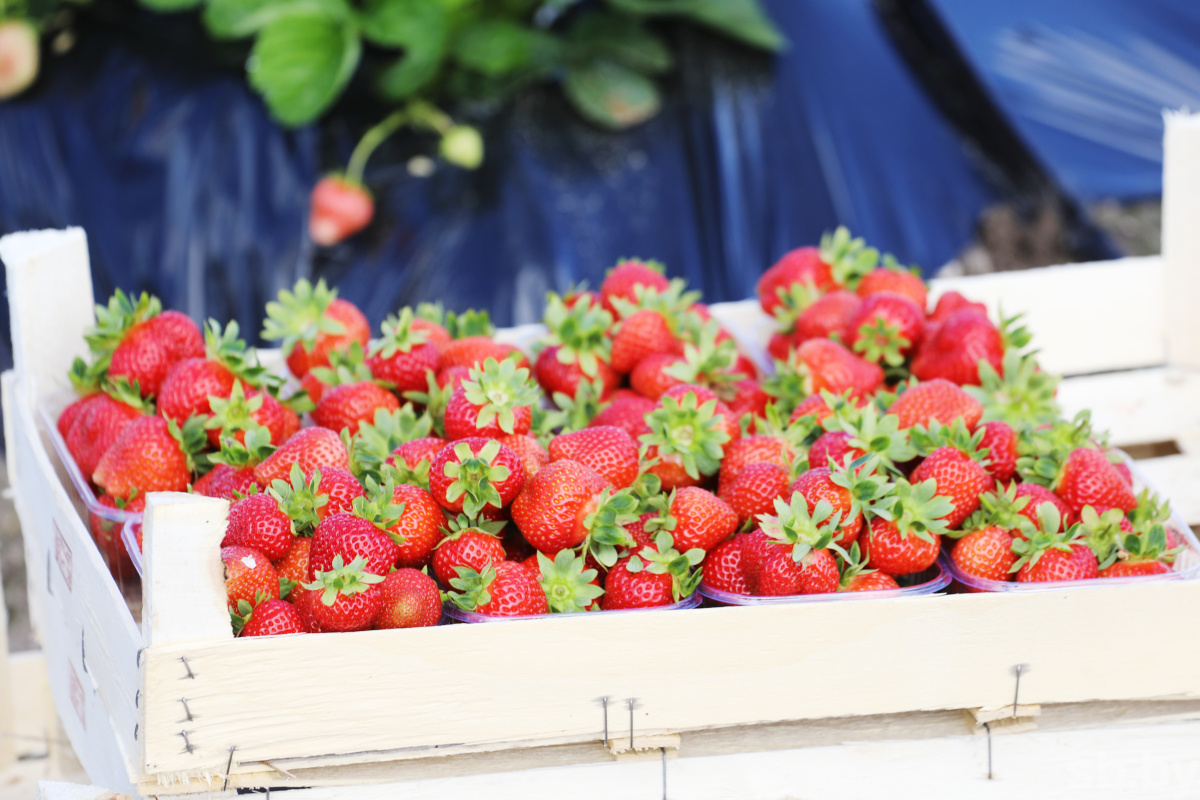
[
  {"x": 62, "y": 554},
  {"x": 78, "y": 698}
]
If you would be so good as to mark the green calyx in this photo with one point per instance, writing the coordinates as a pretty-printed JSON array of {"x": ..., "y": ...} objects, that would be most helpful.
[
  {"x": 474, "y": 477},
  {"x": 397, "y": 335},
  {"x": 567, "y": 582},
  {"x": 688, "y": 430},
  {"x": 114, "y": 321},
  {"x": 1102, "y": 533},
  {"x": 123, "y": 391},
  {"x": 606, "y": 525},
  {"x": 457, "y": 527},
  {"x": 868, "y": 489},
  {"x": 672, "y": 302},
  {"x": 794, "y": 299},
  {"x": 580, "y": 331},
  {"x": 459, "y": 325},
  {"x": 707, "y": 361},
  {"x": 789, "y": 385},
  {"x": 955, "y": 435},
  {"x": 472, "y": 587},
  {"x": 234, "y": 413},
  {"x": 345, "y": 367},
  {"x": 849, "y": 259},
  {"x": 664, "y": 559},
  {"x": 299, "y": 315},
  {"x": 571, "y": 413},
  {"x": 300, "y": 499},
  {"x": 853, "y": 563},
  {"x": 344, "y": 579},
  {"x": 372, "y": 445},
  {"x": 192, "y": 440},
  {"x": 497, "y": 389},
  {"x": 1023, "y": 396},
  {"x": 1031, "y": 550},
  {"x": 378, "y": 507},
  {"x": 792, "y": 524},
  {"x": 915, "y": 510},
  {"x": 1043, "y": 452},
  {"x": 223, "y": 346},
  {"x": 1145, "y": 545},
  {"x": 434, "y": 400},
  {"x": 253, "y": 451},
  {"x": 1150, "y": 510},
  {"x": 876, "y": 435},
  {"x": 880, "y": 341},
  {"x": 1000, "y": 509}
]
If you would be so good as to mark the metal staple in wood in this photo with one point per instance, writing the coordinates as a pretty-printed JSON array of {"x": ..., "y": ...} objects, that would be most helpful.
[
  {"x": 229, "y": 766},
  {"x": 186, "y": 744},
  {"x": 604, "y": 702},
  {"x": 187, "y": 667},
  {"x": 632, "y": 702},
  {"x": 186, "y": 710},
  {"x": 988, "y": 727},
  {"x": 139, "y": 655},
  {"x": 1017, "y": 688}
]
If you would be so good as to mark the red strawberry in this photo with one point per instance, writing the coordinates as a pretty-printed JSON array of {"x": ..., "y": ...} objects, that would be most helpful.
[
  {"x": 958, "y": 477},
  {"x": 1089, "y": 478},
  {"x": 310, "y": 448},
  {"x": 828, "y": 366},
  {"x": 608, "y": 450},
  {"x": 985, "y": 553},
  {"x": 226, "y": 482},
  {"x": 473, "y": 351},
  {"x": 403, "y": 353},
  {"x": 475, "y": 475},
  {"x": 832, "y": 448},
  {"x": 189, "y": 384},
  {"x": 149, "y": 349},
  {"x": 533, "y": 456},
  {"x": 626, "y": 413},
  {"x": 339, "y": 208},
  {"x": 686, "y": 439},
  {"x": 828, "y": 316},
  {"x": 577, "y": 348},
  {"x": 503, "y": 589},
  {"x": 869, "y": 582},
  {"x": 98, "y": 425},
  {"x": 312, "y": 321},
  {"x": 556, "y": 376},
  {"x": 420, "y": 525},
  {"x": 755, "y": 547},
  {"x": 1038, "y": 495},
  {"x": 273, "y": 618},
  {"x": 249, "y": 577},
  {"x": 886, "y": 328},
  {"x": 410, "y": 599},
  {"x": 151, "y": 455},
  {"x": 953, "y": 351},
  {"x": 345, "y": 406},
  {"x": 422, "y": 450},
  {"x": 794, "y": 558},
  {"x": 570, "y": 583},
  {"x": 257, "y": 522},
  {"x": 950, "y": 302},
  {"x": 350, "y": 537},
  {"x": 643, "y": 333},
  {"x": 107, "y": 533},
  {"x": 701, "y": 519},
  {"x": 552, "y": 510},
  {"x": 910, "y": 541},
  {"x": 896, "y": 281},
  {"x": 343, "y": 598},
  {"x": 497, "y": 399},
  {"x": 293, "y": 566},
  {"x": 820, "y": 484},
  {"x": 342, "y": 489},
  {"x": 1001, "y": 442},
  {"x": 1129, "y": 569},
  {"x": 723, "y": 568},
  {"x": 623, "y": 279},
  {"x": 649, "y": 378},
  {"x": 803, "y": 265},
  {"x": 657, "y": 575},
  {"x": 750, "y": 399},
  {"x": 76, "y": 410},
  {"x": 939, "y": 400},
  {"x": 475, "y": 546},
  {"x": 749, "y": 450},
  {"x": 783, "y": 575},
  {"x": 244, "y": 410},
  {"x": 814, "y": 406},
  {"x": 1068, "y": 562},
  {"x": 754, "y": 490}
]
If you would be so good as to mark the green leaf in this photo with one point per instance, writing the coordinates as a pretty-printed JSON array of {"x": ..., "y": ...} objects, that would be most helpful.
[
  {"x": 743, "y": 20},
  {"x": 498, "y": 46},
  {"x": 410, "y": 24},
  {"x": 621, "y": 39},
  {"x": 234, "y": 19},
  {"x": 611, "y": 95},
  {"x": 169, "y": 5},
  {"x": 300, "y": 63}
]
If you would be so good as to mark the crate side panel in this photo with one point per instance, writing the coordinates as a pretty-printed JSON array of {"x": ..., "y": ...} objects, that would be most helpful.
[
  {"x": 1137, "y": 406},
  {"x": 526, "y": 682}
]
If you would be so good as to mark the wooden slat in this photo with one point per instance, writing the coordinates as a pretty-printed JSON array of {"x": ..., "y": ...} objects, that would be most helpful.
[
  {"x": 1181, "y": 236},
  {"x": 1137, "y": 406}
]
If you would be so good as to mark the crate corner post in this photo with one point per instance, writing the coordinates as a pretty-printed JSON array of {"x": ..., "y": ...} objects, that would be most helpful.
[{"x": 1181, "y": 236}]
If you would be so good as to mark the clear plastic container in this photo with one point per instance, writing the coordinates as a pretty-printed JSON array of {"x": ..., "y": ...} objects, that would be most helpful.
[
  {"x": 930, "y": 581},
  {"x": 130, "y": 535},
  {"x": 453, "y": 612},
  {"x": 106, "y": 524}
]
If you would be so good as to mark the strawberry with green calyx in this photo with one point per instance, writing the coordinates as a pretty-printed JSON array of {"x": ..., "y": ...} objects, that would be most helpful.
[
  {"x": 723, "y": 568},
  {"x": 271, "y": 618},
  {"x": 644, "y": 332},
  {"x": 686, "y": 440},
  {"x": 868, "y": 433},
  {"x": 419, "y": 528},
  {"x": 151, "y": 455},
  {"x": 310, "y": 448},
  {"x": 1044, "y": 450},
  {"x": 1102, "y": 530},
  {"x": 344, "y": 597},
  {"x": 91, "y": 426},
  {"x": 409, "y": 463},
  {"x": 257, "y": 521},
  {"x": 1088, "y": 477},
  {"x": 348, "y": 405},
  {"x": 893, "y": 277},
  {"x": 310, "y": 322},
  {"x": 433, "y": 401},
  {"x": 1001, "y": 508},
  {"x": 923, "y": 402},
  {"x": 249, "y": 577},
  {"x": 849, "y": 259},
  {"x": 772, "y": 444},
  {"x": 301, "y": 500},
  {"x": 458, "y": 325},
  {"x": 472, "y": 351},
  {"x": 577, "y": 347},
  {"x": 567, "y": 504},
  {"x": 954, "y": 348},
  {"x": 753, "y": 491},
  {"x": 410, "y": 599},
  {"x": 1001, "y": 441},
  {"x": 850, "y": 487},
  {"x": 829, "y": 366},
  {"x": 885, "y": 328},
  {"x": 798, "y": 278},
  {"x": 125, "y": 332},
  {"x": 502, "y": 589},
  {"x": 609, "y": 451},
  {"x": 569, "y": 585},
  {"x": 957, "y": 468},
  {"x": 799, "y": 558},
  {"x": 657, "y": 575},
  {"x": 232, "y": 474},
  {"x": 293, "y": 568},
  {"x": 696, "y": 518},
  {"x": 350, "y": 535},
  {"x": 476, "y": 475},
  {"x": 402, "y": 354},
  {"x": 710, "y": 360},
  {"x": 1143, "y": 552},
  {"x": 904, "y": 536},
  {"x": 246, "y": 409},
  {"x": 857, "y": 577},
  {"x": 1021, "y": 394},
  {"x": 629, "y": 276},
  {"x": 985, "y": 552},
  {"x": 571, "y": 412},
  {"x": 375, "y": 442},
  {"x": 494, "y": 401},
  {"x": 1060, "y": 556},
  {"x": 467, "y": 543}
]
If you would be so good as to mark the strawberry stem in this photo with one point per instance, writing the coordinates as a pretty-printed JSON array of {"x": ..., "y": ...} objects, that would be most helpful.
[{"x": 374, "y": 137}]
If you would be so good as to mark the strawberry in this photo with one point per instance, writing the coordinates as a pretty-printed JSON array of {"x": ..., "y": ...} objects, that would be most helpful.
[
  {"x": 950, "y": 302},
  {"x": 338, "y": 208},
  {"x": 755, "y": 547},
  {"x": 494, "y": 401},
  {"x": 473, "y": 351},
  {"x": 626, "y": 413},
  {"x": 403, "y": 353},
  {"x": 569, "y": 583},
  {"x": 643, "y": 333},
  {"x": 420, "y": 526},
  {"x": 1103, "y": 529},
  {"x": 650, "y": 376},
  {"x": 697, "y": 519},
  {"x": 533, "y": 456},
  {"x": 609, "y": 451},
  {"x": 340, "y": 487},
  {"x": 502, "y": 589},
  {"x": 908, "y": 542},
  {"x": 1020, "y": 393},
  {"x": 557, "y": 376},
  {"x": 226, "y": 482},
  {"x": 293, "y": 567},
  {"x": 754, "y": 490},
  {"x": 475, "y": 475},
  {"x": 151, "y": 455},
  {"x": 258, "y": 523},
  {"x": 577, "y": 350},
  {"x": 856, "y": 577},
  {"x": 417, "y": 456},
  {"x": 959, "y": 477},
  {"x": 985, "y": 553},
  {"x": 310, "y": 322},
  {"x": 467, "y": 544},
  {"x": 273, "y": 618},
  {"x": 344, "y": 597},
  {"x": 188, "y": 385},
  {"x": 814, "y": 406},
  {"x": 1129, "y": 569},
  {"x": 895, "y": 281},
  {"x": 351, "y": 538},
  {"x": 657, "y": 575},
  {"x": 378, "y": 439},
  {"x": 686, "y": 440},
  {"x": 139, "y": 342},
  {"x": 797, "y": 559},
  {"x": 409, "y": 599},
  {"x": 828, "y": 366},
  {"x": 748, "y": 450},
  {"x": 1089, "y": 478},
  {"x": 98, "y": 424},
  {"x": 833, "y": 447},
  {"x": 107, "y": 533},
  {"x": 722, "y": 568},
  {"x": 847, "y": 490},
  {"x": 1038, "y": 495},
  {"x": 749, "y": 398},
  {"x": 1053, "y": 557},
  {"x": 308, "y": 447},
  {"x": 346, "y": 406},
  {"x": 955, "y": 349},
  {"x": 302, "y": 501},
  {"x": 22, "y": 55},
  {"x": 802, "y": 266},
  {"x": 827, "y": 317},
  {"x": 886, "y": 328},
  {"x": 937, "y": 399},
  {"x": 249, "y": 577},
  {"x": 1000, "y": 440},
  {"x": 567, "y": 503},
  {"x": 624, "y": 279}
]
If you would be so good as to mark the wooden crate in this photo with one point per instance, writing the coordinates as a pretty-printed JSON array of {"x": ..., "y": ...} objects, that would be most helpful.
[{"x": 174, "y": 704}]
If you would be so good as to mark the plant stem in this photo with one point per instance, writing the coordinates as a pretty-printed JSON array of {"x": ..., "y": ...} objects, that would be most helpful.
[{"x": 371, "y": 140}]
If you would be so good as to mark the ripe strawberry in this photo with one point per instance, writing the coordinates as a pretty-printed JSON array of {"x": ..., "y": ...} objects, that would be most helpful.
[
  {"x": 1062, "y": 560},
  {"x": 249, "y": 577},
  {"x": 503, "y": 589},
  {"x": 827, "y": 317},
  {"x": 795, "y": 558},
  {"x": 754, "y": 490},
  {"x": 950, "y": 302},
  {"x": 686, "y": 440},
  {"x": 467, "y": 545},
  {"x": 814, "y": 406},
  {"x": 723, "y": 568},
  {"x": 828, "y": 366},
  {"x": 626, "y": 413},
  {"x": 417, "y": 456},
  {"x": 896, "y": 281},
  {"x": 939, "y": 400},
  {"x": 755, "y": 546},
  {"x": 258, "y": 523},
  {"x": 608, "y": 450},
  {"x": 340, "y": 487},
  {"x": 242, "y": 410},
  {"x": 832, "y": 447},
  {"x": 698, "y": 519},
  {"x": 568, "y": 581},
  {"x": 749, "y": 450},
  {"x": 345, "y": 406},
  {"x": 293, "y": 567},
  {"x": 151, "y": 455},
  {"x": 958, "y": 477},
  {"x": 566, "y": 502},
  {"x": 475, "y": 475},
  {"x": 420, "y": 525},
  {"x": 273, "y": 618},
  {"x": 188, "y": 385},
  {"x": 343, "y": 598},
  {"x": 1089, "y": 478},
  {"x": 803, "y": 266},
  {"x": 350, "y": 538},
  {"x": 749, "y": 398},
  {"x": 657, "y": 575},
  {"x": 1001, "y": 442},
  {"x": 310, "y": 448},
  {"x": 577, "y": 348},
  {"x": 310, "y": 322},
  {"x": 107, "y": 533},
  {"x": 955, "y": 349},
  {"x": 473, "y": 351},
  {"x": 403, "y": 353},
  {"x": 869, "y": 581},
  {"x": 1129, "y": 569},
  {"x": 226, "y": 482},
  {"x": 147, "y": 349},
  {"x": 338, "y": 209},
  {"x": 558, "y": 377},
  {"x": 98, "y": 424},
  {"x": 497, "y": 399},
  {"x": 846, "y": 491},
  {"x": 409, "y": 599},
  {"x": 623, "y": 280},
  {"x": 643, "y": 333},
  {"x": 886, "y": 328},
  {"x": 1038, "y": 495},
  {"x": 650, "y": 378},
  {"x": 533, "y": 456},
  {"x": 910, "y": 541},
  {"x": 985, "y": 553}
]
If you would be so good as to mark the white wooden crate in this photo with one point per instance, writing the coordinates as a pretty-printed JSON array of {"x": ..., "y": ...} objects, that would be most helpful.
[{"x": 465, "y": 699}]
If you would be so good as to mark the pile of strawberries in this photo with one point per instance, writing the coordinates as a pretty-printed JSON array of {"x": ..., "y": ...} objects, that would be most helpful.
[{"x": 638, "y": 457}]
